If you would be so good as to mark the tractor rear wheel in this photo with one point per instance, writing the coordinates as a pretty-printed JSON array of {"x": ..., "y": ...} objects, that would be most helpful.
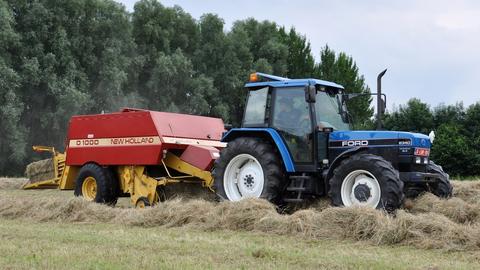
[
  {"x": 249, "y": 167},
  {"x": 96, "y": 184},
  {"x": 442, "y": 188},
  {"x": 366, "y": 180}
]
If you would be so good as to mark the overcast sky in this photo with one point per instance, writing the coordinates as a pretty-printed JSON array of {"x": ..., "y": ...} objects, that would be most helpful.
[{"x": 431, "y": 48}]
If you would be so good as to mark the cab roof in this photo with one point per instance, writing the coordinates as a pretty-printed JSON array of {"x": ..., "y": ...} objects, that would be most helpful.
[{"x": 275, "y": 81}]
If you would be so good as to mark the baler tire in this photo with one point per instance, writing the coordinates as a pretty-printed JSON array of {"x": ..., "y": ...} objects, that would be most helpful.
[
  {"x": 160, "y": 195},
  {"x": 391, "y": 187},
  {"x": 442, "y": 188},
  {"x": 107, "y": 185},
  {"x": 142, "y": 203},
  {"x": 267, "y": 157}
]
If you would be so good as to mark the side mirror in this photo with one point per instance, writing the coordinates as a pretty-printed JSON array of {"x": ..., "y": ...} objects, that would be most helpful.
[{"x": 310, "y": 93}]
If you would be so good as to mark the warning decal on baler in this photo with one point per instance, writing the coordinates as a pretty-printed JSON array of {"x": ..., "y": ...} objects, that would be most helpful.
[{"x": 127, "y": 141}]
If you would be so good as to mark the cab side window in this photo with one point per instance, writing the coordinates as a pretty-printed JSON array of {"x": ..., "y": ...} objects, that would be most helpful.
[
  {"x": 255, "y": 109},
  {"x": 291, "y": 117}
]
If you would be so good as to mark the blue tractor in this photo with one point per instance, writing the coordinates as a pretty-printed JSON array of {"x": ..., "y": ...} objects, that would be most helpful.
[{"x": 295, "y": 144}]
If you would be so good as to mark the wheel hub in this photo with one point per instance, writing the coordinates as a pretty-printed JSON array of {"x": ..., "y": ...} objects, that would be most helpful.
[
  {"x": 89, "y": 188},
  {"x": 248, "y": 180},
  {"x": 362, "y": 192}
]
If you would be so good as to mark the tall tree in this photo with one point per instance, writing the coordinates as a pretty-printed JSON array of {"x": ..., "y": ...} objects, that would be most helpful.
[
  {"x": 300, "y": 61},
  {"x": 60, "y": 58},
  {"x": 265, "y": 43},
  {"x": 448, "y": 114},
  {"x": 13, "y": 139},
  {"x": 175, "y": 87}
]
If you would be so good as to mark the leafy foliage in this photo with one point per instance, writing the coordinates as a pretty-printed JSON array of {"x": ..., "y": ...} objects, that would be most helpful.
[
  {"x": 60, "y": 58},
  {"x": 457, "y": 143},
  {"x": 415, "y": 116}
]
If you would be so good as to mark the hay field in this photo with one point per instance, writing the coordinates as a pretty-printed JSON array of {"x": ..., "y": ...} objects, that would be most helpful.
[{"x": 39, "y": 228}]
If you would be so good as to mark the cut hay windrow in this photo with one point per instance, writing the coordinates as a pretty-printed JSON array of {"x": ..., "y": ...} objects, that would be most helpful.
[
  {"x": 11, "y": 183},
  {"x": 430, "y": 223}
]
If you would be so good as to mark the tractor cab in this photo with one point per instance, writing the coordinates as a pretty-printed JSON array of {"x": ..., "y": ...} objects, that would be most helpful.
[{"x": 303, "y": 111}]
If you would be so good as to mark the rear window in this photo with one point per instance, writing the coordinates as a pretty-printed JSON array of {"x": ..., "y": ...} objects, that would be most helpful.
[{"x": 256, "y": 105}]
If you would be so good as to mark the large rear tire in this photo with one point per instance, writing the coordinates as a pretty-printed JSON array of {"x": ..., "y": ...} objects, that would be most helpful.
[
  {"x": 97, "y": 184},
  {"x": 249, "y": 167},
  {"x": 442, "y": 188},
  {"x": 366, "y": 180}
]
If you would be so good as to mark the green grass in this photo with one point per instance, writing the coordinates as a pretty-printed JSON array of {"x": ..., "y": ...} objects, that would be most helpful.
[{"x": 26, "y": 245}]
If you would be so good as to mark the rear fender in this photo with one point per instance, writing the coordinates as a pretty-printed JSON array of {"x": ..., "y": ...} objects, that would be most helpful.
[{"x": 269, "y": 134}]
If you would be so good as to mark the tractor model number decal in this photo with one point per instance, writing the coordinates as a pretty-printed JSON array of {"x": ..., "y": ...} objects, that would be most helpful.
[
  {"x": 354, "y": 143},
  {"x": 102, "y": 142}
]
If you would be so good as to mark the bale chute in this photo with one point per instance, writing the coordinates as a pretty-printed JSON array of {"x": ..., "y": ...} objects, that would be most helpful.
[{"x": 45, "y": 173}]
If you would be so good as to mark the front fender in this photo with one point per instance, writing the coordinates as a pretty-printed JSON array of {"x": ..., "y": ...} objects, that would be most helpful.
[
  {"x": 341, "y": 157},
  {"x": 265, "y": 133}
]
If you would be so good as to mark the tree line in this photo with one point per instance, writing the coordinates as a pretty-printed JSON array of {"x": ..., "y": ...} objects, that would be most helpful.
[
  {"x": 457, "y": 141},
  {"x": 59, "y": 58}
]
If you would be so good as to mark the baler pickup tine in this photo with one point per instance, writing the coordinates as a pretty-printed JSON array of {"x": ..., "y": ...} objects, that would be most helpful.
[{"x": 46, "y": 173}]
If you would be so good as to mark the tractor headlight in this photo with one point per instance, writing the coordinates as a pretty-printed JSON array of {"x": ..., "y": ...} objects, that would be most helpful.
[
  {"x": 418, "y": 160},
  {"x": 425, "y": 161}
]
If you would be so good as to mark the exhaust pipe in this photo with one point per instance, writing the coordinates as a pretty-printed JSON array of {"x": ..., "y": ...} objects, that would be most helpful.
[{"x": 380, "y": 103}]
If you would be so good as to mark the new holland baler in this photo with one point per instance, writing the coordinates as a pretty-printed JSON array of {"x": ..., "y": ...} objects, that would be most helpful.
[{"x": 135, "y": 152}]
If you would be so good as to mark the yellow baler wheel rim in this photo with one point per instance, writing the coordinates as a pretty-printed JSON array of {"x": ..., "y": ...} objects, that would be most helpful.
[
  {"x": 141, "y": 204},
  {"x": 89, "y": 188}
]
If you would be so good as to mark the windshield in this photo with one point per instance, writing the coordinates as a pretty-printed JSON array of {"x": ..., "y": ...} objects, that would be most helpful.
[{"x": 329, "y": 113}]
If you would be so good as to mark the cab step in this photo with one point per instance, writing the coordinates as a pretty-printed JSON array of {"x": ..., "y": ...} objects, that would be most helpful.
[{"x": 297, "y": 187}]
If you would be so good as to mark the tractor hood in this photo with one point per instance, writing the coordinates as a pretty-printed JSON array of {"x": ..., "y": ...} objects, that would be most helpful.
[{"x": 374, "y": 137}]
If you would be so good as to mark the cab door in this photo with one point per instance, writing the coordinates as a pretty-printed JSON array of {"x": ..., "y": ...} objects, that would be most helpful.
[{"x": 292, "y": 118}]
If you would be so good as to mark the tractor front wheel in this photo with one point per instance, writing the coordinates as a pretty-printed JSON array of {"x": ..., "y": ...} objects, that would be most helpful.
[
  {"x": 442, "y": 188},
  {"x": 249, "y": 168},
  {"x": 366, "y": 180}
]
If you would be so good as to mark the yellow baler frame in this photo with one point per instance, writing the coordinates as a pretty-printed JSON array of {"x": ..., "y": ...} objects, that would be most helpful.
[
  {"x": 58, "y": 167},
  {"x": 133, "y": 179}
]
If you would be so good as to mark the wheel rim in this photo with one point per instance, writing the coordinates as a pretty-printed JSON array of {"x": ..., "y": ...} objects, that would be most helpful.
[
  {"x": 89, "y": 188},
  {"x": 360, "y": 187},
  {"x": 141, "y": 204},
  {"x": 243, "y": 178}
]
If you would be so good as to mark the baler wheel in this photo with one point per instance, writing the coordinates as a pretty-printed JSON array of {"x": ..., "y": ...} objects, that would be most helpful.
[
  {"x": 89, "y": 188},
  {"x": 142, "y": 203},
  {"x": 96, "y": 184}
]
